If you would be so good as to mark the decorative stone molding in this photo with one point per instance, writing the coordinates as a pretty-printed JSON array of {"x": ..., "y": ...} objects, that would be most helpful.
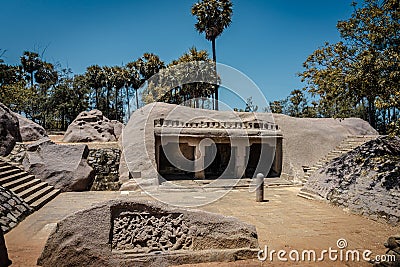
[{"x": 261, "y": 125}]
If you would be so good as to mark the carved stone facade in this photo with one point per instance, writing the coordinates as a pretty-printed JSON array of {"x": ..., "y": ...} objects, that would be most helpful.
[
  {"x": 145, "y": 233},
  {"x": 213, "y": 149}
]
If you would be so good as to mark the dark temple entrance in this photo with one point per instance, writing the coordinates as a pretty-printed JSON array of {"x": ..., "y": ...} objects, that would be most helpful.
[
  {"x": 178, "y": 172},
  {"x": 260, "y": 162},
  {"x": 222, "y": 165}
]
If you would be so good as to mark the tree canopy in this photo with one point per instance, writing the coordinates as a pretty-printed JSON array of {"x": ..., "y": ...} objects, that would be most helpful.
[{"x": 360, "y": 75}]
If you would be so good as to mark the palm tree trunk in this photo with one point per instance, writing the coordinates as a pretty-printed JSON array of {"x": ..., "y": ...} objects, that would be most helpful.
[
  {"x": 137, "y": 99},
  {"x": 116, "y": 103},
  {"x": 127, "y": 101},
  {"x": 97, "y": 97},
  {"x": 215, "y": 67},
  {"x": 108, "y": 102},
  {"x": 371, "y": 112}
]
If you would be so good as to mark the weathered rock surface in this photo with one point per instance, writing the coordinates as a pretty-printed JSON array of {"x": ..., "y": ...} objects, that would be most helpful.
[
  {"x": 365, "y": 180},
  {"x": 29, "y": 130},
  {"x": 9, "y": 130},
  {"x": 92, "y": 126},
  {"x": 144, "y": 233},
  {"x": 4, "y": 260},
  {"x": 105, "y": 162},
  {"x": 12, "y": 209},
  {"x": 63, "y": 166},
  {"x": 301, "y": 145},
  {"x": 307, "y": 140}
]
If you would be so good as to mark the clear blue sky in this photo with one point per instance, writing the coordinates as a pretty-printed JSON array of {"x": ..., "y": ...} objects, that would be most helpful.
[{"x": 268, "y": 40}]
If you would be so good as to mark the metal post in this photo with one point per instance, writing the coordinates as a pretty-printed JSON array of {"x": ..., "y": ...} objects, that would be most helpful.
[{"x": 260, "y": 187}]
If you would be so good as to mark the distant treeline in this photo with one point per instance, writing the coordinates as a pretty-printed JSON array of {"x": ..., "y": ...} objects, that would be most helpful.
[
  {"x": 357, "y": 77},
  {"x": 53, "y": 96}
]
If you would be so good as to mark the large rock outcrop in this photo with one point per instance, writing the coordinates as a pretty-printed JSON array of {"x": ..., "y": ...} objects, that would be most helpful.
[
  {"x": 364, "y": 180},
  {"x": 29, "y": 130},
  {"x": 63, "y": 166},
  {"x": 92, "y": 126},
  {"x": 9, "y": 130},
  {"x": 145, "y": 233},
  {"x": 305, "y": 140}
]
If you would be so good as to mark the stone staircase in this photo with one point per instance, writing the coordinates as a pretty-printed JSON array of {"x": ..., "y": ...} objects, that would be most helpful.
[
  {"x": 348, "y": 144},
  {"x": 33, "y": 191}
]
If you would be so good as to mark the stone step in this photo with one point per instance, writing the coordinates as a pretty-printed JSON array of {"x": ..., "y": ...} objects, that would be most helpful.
[
  {"x": 25, "y": 186},
  {"x": 347, "y": 145},
  {"x": 6, "y": 168},
  {"x": 31, "y": 190},
  {"x": 38, "y": 194},
  {"x": 45, "y": 199},
  {"x": 9, "y": 173},
  {"x": 9, "y": 179}
]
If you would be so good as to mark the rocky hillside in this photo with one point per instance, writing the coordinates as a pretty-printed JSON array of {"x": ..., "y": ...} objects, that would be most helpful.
[{"x": 366, "y": 180}]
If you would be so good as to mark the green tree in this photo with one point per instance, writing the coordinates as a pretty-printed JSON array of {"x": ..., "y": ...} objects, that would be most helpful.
[
  {"x": 213, "y": 16},
  {"x": 193, "y": 92},
  {"x": 276, "y": 106},
  {"x": 70, "y": 97},
  {"x": 133, "y": 81},
  {"x": 352, "y": 76},
  {"x": 148, "y": 65},
  {"x": 120, "y": 79},
  {"x": 95, "y": 77},
  {"x": 31, "y": 63},
  {"x": 175, "y": 85},
  {"x": 298, "y": 103}
]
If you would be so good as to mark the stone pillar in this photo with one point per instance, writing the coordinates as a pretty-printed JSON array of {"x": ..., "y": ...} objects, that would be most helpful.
[
  {"x": 157, "y": 151},
  {"x": 199, "y": 154},
  {"x": 277, "y": 164},
  {"x": 260, "y": 187},
  {"x": 240, "y": 159}
]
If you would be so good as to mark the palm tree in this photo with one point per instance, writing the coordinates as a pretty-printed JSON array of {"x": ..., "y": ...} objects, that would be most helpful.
[
  {"x": 95, "y": 78},
  {"x": 213, "y": 16},
  {"x": 196, "y": 90},
  {"x": 148, "y": 65},
  {"x": 134, "y": 82},
  {"x": 31, "y": 62},
  {"x": 118, "y": 82}
]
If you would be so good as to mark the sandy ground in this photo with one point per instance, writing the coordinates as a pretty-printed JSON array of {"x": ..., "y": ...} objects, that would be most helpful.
[{"x": 285, "y": 222}]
